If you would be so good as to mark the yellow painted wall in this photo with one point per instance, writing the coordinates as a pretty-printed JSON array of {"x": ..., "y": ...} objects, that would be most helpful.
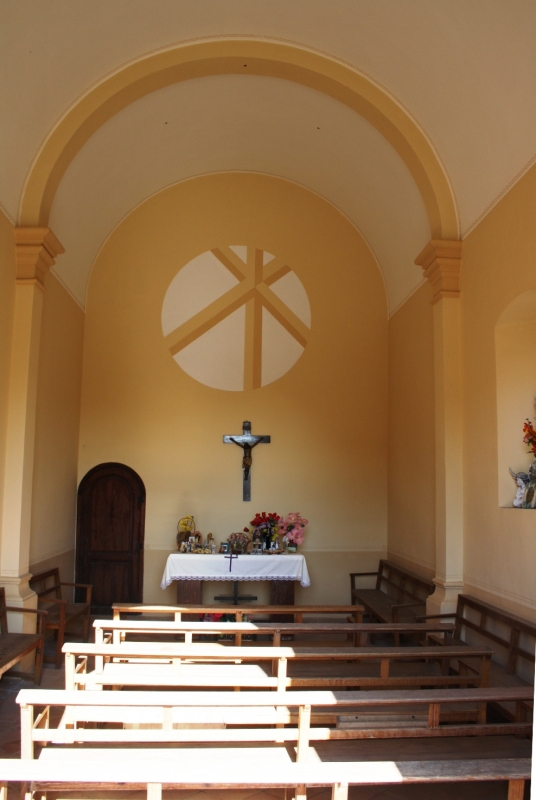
[
  {"x": 7, "y": 304},
  {"x": 328, "y": 456},
  {"x": 498, "y": 265},
  {"x": 57, "y": 430},
  {"x": 411, "y": 435}
]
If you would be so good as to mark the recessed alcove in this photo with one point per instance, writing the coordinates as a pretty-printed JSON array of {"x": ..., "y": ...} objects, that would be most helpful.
[{"x": 515, "y": 344}]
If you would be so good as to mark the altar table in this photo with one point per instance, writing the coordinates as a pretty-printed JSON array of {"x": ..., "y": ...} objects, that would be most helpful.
[{"x": 190, "y": 569}]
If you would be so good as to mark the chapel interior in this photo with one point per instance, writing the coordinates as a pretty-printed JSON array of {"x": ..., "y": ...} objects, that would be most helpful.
[{"x": 315, "y": 216}]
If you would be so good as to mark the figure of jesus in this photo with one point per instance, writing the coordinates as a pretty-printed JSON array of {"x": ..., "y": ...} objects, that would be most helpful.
[
  {"x": 246, "y": 441},
  {"x": 247, "y": 460}
]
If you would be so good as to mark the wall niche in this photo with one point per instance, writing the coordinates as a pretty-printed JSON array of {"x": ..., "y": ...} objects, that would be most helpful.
[{"x": 515, "y": 345}]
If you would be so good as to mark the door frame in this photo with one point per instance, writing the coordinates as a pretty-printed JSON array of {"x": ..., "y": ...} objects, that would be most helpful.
[{"x": 111, "y": 468}]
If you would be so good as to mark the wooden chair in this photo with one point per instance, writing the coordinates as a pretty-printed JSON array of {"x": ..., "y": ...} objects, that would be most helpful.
[
  {"x": 15, "y": 646},
  {"x": 60, "y": 613}
]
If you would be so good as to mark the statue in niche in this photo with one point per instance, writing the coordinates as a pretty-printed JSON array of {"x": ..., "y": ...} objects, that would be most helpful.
[{"x": 522, "y": 480}]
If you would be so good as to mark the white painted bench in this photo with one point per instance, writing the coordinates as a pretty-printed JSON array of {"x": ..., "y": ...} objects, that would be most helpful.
[
  {"x": 219, "y": 666},
  {"x": 126, "y": 770},
  {"x": 164, "y": 718}
]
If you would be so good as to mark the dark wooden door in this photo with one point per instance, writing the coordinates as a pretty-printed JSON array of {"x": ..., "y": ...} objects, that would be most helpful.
[{"x": 110, "y": 532}]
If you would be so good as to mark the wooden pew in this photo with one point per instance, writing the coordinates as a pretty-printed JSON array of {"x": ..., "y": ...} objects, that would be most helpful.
[
  {"x": 217, "y": 665},
  {"x": 60, "y": 612},
  {"x": 354, "y": 612},
  {"x": 512, "y": 637},
  {"x": 16, "y": 646},
  {"x": 117, "y": 630},
  {"x": 165, "y": 718},
  {"x": 156, "y": 774},
  {"x": 397, "y": 596}
]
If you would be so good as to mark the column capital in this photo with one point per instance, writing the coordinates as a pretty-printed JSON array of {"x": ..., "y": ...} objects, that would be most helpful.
[
  {"x": 36, "y": 250},
  {"x": 441, "y": 261}
]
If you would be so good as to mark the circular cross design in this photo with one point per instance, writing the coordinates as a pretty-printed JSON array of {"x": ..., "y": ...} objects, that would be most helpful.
[{"x": 236, "y": 318}]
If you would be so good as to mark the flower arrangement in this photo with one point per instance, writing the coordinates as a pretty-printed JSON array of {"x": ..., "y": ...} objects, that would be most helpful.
[
  {"x": 529, "y": 436},
  {"x": 265, "y": 524},
  {"x": 292, "y": 527}
]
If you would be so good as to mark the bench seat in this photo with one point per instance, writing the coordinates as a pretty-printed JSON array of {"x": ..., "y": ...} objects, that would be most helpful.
[
  {"x": 387, "y": 609},
  {"x": 155, "y": 771}
]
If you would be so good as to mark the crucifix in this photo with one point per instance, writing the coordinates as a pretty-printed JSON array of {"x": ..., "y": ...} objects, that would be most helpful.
[{"x": 247, "y": 442}]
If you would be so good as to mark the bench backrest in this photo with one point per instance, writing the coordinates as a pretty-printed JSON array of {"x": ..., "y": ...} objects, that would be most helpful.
[
  {"x": 244, "y": 610},
  {"x": 516, "y": 635},
  {"x": 47, "y": 583},
  {"x": 401, "y": 584}
]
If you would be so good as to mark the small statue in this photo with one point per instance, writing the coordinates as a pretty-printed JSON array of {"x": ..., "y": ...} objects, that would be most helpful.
[
  {"x": 521, "y": 479},
  {"x": 210, "y": 543}
]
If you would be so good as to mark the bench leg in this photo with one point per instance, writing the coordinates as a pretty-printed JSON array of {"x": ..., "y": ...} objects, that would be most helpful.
[
  {"x": 339, "y": 791},
  {"x": 154, "y": 791},
  {"x": 38, "y": 668},
  {"x": 87, "y": 622},
  {"x": 3, "y": 790},
  {"x": 516, "y": 789}
]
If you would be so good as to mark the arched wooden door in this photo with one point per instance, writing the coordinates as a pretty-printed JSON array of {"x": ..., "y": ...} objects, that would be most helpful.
[{"x": 110, "y": 533}]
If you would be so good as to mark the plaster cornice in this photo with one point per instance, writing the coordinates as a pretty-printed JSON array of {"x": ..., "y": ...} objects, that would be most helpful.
[
  {"x": 441, "y": 261},
  {"x": 36, "y": 249}
]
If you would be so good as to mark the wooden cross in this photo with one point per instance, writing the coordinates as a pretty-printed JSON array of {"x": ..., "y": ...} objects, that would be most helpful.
[
  {"x": 247, "y": 442},
  {"x": 230, "y": 557}
]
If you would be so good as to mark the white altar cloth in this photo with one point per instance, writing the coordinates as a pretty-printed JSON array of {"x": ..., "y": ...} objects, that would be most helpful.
[{"x": 191, "y": 567}]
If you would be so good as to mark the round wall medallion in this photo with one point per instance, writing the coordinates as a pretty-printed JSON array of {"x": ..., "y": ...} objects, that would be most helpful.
[{"x": 236, "y": 318}]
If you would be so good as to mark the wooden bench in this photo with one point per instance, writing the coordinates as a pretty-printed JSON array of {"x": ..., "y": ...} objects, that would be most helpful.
[
  {"x": 128, "y": 770},
  {"x": 217, "y": 665},
  {"x": 398, "y": 594},
  {"x": 484, "y": 623},
  {"x": 164, "y": 718},
  {"x": 117, "y": 630},
  {"x": 354, "y": 612},
  {"x": 15, "y": 646},
  {"x": 60, "y": 612}
]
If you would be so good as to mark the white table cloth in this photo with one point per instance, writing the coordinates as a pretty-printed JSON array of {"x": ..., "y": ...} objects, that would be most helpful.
[{"x": 191, "y": 567}]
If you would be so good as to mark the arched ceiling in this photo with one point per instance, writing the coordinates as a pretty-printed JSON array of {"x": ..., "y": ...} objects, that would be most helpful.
[
  {"x": 465, "y": 72},
  {"x": 234, "y": 122}
]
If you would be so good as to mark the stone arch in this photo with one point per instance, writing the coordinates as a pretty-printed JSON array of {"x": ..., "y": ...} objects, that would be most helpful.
[{"x": 238, "y": 56}]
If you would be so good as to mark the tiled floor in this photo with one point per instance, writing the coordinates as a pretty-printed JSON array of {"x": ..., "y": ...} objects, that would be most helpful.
[{"x": 52, "y": 679}]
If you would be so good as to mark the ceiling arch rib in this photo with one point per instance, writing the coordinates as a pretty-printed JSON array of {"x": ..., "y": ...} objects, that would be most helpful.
[{"x": 233, "y": 56}]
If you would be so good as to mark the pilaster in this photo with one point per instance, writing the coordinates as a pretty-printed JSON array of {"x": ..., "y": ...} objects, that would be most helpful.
[
  {"x": 36, "y": 249},
  {"x": 441, "y": 263}
]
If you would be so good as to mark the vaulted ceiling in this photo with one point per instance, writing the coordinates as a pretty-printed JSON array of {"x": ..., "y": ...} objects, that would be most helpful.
[{"x": 464, "y": 74}]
